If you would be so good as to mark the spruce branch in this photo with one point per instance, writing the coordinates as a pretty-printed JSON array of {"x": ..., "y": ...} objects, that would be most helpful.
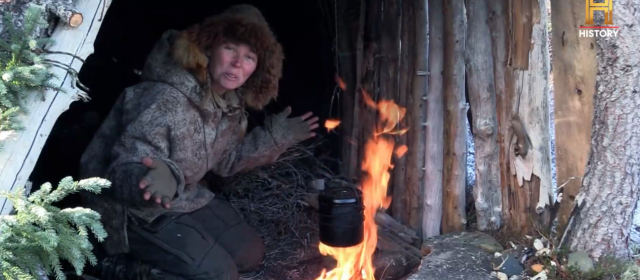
[
  {"x": 39, "y": 236},
  {"x": 24, "y": 68}
]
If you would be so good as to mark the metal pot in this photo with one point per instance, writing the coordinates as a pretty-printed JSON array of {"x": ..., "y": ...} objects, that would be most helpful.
[{"x": 341, "y": 216}]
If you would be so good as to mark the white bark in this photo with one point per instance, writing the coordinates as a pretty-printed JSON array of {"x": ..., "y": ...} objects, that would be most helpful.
[
  {"x": 532, "y": 105},
  {"x": 611, "y": 184}
]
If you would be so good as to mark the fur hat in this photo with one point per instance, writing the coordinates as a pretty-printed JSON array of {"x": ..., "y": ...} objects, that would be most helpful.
[{"x": 241, "y": 24}]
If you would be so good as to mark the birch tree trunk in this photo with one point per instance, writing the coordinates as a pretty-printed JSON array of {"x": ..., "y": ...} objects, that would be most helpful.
[
  {"x": 611, "y": 184},
  {"x": 455, "y": 129},
  {"x": 482, "y": 96}
]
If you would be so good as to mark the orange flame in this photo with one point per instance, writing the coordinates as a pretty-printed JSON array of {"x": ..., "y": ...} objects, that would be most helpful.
[
  {"x": 331, "y": 124},
  {"x": 400, "y": 151},
  {"x": 341, "y": 83},
  {"x": 356, "y": 263}
]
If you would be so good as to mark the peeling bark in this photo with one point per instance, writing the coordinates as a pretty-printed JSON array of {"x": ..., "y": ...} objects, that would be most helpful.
[
  {"x": 432, "y": 208},
  {"x": 521, "y": 75},
  {"x": 455, "y": 128},
  {"x": 480, "y": 83},
  {"x": 527, "y": 190},
  {"x": 611, "y": 184}
]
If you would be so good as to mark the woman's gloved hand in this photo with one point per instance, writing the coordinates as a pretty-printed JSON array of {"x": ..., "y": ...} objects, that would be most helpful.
[
  {"x": 300, "y": 127},
  {"x": 159, "y": 184}
]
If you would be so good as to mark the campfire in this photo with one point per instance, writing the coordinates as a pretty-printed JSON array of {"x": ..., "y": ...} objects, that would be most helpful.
[{"x": 356, "y": 262}]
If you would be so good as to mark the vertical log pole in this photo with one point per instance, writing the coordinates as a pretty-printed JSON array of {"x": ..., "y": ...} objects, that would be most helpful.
[
  {"x": 401, "y": 189},
  {"x": 346, "y": 71},
  {"x": 455, "y": 129},
  {"x": 352, "y": 147},
  {"x": 479, "y": 71},
  {"x": 432, "y": 189},
  {"x": 370, "y": 71},
  {"x": 498, "y": 22},
  {"x": 401, "y": 207},
  {"x": 574, "y": 73},
  {"x": 390, "y": 90},
  {"x": 414, "y": 119}
]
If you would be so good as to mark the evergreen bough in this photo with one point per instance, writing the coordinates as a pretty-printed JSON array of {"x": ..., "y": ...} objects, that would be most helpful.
[
  {"x": 23, "y": 67},
  {"x": 39, "y": 234}
]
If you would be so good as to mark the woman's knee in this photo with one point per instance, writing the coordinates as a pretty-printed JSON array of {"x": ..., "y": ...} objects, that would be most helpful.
[
  {"x": 219, "y": 266},
  {"x": 183, "y": 248},
  {"x": 245, "y": 246}
]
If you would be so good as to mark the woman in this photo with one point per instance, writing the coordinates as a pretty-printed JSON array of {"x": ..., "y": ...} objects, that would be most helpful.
[{"x": 184, "y": 119}]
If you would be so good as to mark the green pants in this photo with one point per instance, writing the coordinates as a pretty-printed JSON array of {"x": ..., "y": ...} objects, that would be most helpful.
[{"x": 212, "y": 243}]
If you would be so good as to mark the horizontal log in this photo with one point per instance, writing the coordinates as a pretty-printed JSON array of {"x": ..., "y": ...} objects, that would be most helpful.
[
  {"x": 407, "y": 248},
  {"x": 387, "y": 221},
  {"x": 65, "y": 10}
]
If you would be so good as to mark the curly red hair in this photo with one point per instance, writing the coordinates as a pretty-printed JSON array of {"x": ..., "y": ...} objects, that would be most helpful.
[{"x": 239, "y": 24}]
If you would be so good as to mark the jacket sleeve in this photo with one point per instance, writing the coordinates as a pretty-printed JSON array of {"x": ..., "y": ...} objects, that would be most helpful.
[
  {"x": 263, "y": 145},
  {"x": 146, "y": 134}
]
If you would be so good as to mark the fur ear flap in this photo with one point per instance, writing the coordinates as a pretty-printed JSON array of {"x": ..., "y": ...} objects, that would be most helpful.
[{"x": 190, "y": 56}]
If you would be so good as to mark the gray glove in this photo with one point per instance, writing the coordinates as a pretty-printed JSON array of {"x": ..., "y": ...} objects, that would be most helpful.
[
  {"x": 299, "y": 127},
  {"x": 159, "y": 184}
]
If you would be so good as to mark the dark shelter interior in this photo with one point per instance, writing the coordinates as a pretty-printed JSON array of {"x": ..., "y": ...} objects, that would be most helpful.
[{"x": 130, "y": 30}]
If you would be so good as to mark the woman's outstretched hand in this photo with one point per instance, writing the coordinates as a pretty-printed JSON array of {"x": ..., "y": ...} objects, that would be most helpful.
[
  {"x": 300, "y": 127},
  {"x": 159, "y": 184}
]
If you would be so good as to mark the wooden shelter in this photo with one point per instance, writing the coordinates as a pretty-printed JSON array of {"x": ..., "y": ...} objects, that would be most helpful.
[
  {"x": 485, "y": 62},
  {"x": 447, "y": 62}
]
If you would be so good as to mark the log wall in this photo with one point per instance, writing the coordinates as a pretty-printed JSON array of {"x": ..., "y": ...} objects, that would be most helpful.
[
  {"x": 498, "y": 50},
  {"x": 386, "y": 68}
]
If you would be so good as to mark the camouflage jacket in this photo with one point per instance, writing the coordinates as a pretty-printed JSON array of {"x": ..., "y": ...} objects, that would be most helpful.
[{"x": 162, "y": 117}]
